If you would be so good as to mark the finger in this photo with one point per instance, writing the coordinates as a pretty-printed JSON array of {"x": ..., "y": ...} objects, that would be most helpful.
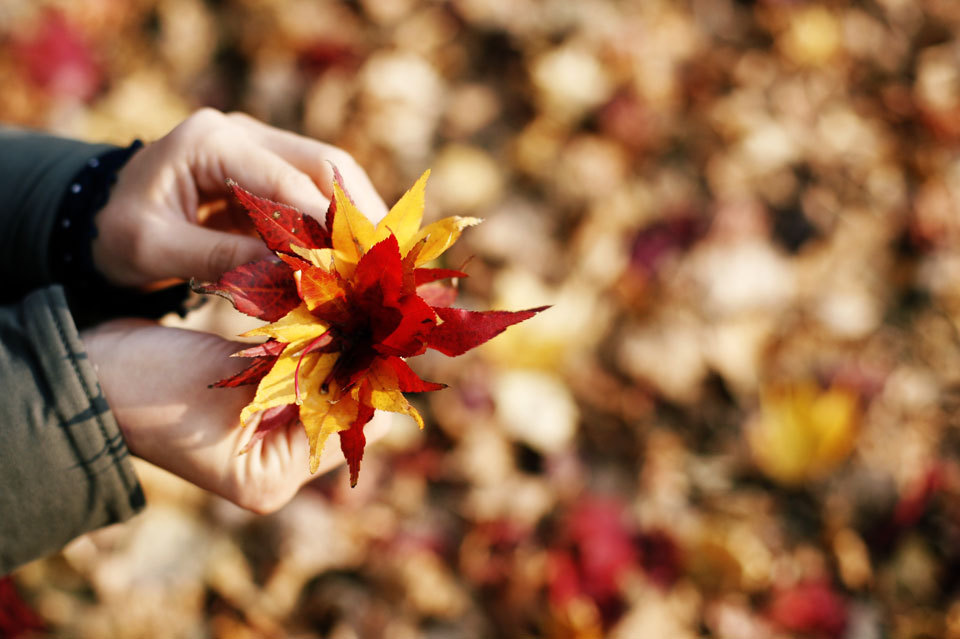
[
  {"x": 257, "y": 169},
  {"x": 206, "y": 254},
  {"x": 315, "y": 159}
]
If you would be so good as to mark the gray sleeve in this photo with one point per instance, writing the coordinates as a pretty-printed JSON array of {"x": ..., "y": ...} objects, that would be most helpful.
[
  {"x": 35, "y": 172},
  {"x": 64, "y": 467}
]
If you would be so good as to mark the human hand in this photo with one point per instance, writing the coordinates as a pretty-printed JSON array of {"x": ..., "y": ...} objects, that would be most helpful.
[
  {"x": 156, "y": 382},
  {"x": 148, "y": 229}
]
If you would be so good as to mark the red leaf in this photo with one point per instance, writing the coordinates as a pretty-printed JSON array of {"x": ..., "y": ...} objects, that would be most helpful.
[
  {"x": 462, "y": 330},
  {"x": 250, "y": 375},
  {"x": 271, "y": 420},
  {"x": 424, "y": 275},
  {"x": 17, "y": 619},
  {"x": 416, "y": 323},
  {"x": 810, "y": 608},
  {"x": 410, "y": 382},
  {"x": 916, "y": 498},
  {"x": 381, "y": 265},
  {"x": 267, "y": 349},
  {"x": 57, "y": 58},
  {"x": 660, "y": 557},
  {"x": 563, "y": 578},
  {"x": 353, "y": 441},
  {"x": 263, "y": 289},
  {"x": 436, "y": 294},
  {"x": 295, "y": 263},
  {"x": 604, "y": 546},
  {"x": 281, "y": 225}
]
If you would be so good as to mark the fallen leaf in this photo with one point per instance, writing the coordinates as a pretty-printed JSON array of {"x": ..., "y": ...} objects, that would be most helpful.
[
  {"x": 804, "y": 432},
  {"x": 813, "y": 608}
]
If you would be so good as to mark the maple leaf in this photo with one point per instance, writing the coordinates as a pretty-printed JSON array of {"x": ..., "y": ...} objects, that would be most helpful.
[
  {"x": 280, "y": 225},
  {"x": 263, "y": 289},
  {"x": 346, "y": 305},
  {"x": 804, "y": 432}
]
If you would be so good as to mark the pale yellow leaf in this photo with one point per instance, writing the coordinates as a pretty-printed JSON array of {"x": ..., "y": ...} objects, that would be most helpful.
[
  {"x": 405, "y": 216},
  {"x": 322, "y": 418},
  {"x": 296, "y": 326},
  {"x": 321, "y": 258},
  {"x": 439, "y": 237},
  {"x": 803, "y": 432},
  {"x": 277, "y": 388},
  {"x": 352, "y": 234},
  {"x": 385, "y": 394}
]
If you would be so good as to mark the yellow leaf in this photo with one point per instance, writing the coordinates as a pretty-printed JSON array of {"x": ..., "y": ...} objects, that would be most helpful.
[
  {"x": 296, "y": 326},
  {"x": 321, "y": 258},
  {"x": 352, "y": 234},
  {"x": 385, "y": 394},
  {"x": 322, "y": 418},
  {"x": 804, "y": 432},
  {"x": 278, "y": 387},
  {"x": 404, "y": 218},
  {"x": 439, "y": 237}
]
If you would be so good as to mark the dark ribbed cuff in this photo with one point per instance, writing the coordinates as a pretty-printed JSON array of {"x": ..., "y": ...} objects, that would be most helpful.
[{"x": 91, "y": 297}]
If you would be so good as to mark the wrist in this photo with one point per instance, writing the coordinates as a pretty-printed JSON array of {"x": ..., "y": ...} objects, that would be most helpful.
[{"x": 74, "y": 231}]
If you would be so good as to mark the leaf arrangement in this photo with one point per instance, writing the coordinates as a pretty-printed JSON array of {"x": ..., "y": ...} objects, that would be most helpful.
[{"x": 346, "y": 304}]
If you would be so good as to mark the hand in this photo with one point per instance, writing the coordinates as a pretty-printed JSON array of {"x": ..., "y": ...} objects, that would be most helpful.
[
  {"x": 155, "y": 380},
  {"x": 148, "y": 229}
]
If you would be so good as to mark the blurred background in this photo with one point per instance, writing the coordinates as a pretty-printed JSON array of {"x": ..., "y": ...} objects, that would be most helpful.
[{"x": 740, "y": 418}]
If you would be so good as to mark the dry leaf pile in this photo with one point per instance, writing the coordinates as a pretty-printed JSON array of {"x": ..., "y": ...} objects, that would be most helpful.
[{"x": 738, "y": 420}]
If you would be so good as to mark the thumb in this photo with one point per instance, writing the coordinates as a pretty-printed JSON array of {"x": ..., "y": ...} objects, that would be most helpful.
[{"x": 206, "y": 254}]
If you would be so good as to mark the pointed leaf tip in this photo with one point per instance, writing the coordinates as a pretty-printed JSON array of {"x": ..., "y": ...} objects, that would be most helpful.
[
  {"x": 463, "y": 330},
  {"x": 263, "y": 289},
  {"x": 353, "y": 442}
]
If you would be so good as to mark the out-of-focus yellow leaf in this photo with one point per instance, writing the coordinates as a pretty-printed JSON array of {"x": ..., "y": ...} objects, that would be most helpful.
[{"x": 804, "y": 432}]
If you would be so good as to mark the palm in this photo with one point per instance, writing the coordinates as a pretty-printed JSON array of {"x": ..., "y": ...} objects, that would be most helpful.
[{"x": 156, "y": 382}]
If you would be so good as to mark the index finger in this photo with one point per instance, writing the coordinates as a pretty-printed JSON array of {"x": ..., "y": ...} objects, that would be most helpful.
[{"x": 314, "y": 159}]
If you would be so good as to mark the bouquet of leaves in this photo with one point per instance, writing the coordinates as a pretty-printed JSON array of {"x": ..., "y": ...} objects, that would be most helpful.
[{"x": 347, "y": 304}]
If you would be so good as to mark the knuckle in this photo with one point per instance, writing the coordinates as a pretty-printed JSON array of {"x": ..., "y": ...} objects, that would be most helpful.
[
  {"x": 291, "y": 182},
  {"x": 240, "y": 117},
  {"x": 197, "y": 126},
  {"x": 222, "y": 257},
  {"x": 341, "y": 159},
  {"x": 206, "y": 116}
]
